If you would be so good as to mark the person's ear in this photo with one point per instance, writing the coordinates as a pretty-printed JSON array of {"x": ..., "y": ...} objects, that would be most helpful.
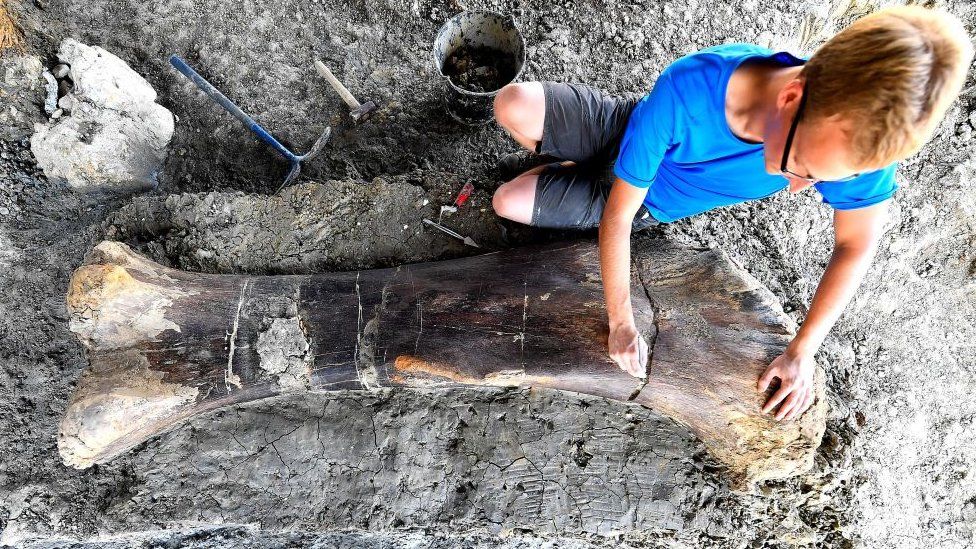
[{"x": 789, "y": 94}]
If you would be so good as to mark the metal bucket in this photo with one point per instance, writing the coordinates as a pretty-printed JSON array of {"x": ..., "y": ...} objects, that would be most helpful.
[{"x": 477, "y": 53}]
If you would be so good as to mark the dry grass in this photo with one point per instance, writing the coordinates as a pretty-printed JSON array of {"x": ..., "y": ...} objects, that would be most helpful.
[{"x": 10, "y": 35}]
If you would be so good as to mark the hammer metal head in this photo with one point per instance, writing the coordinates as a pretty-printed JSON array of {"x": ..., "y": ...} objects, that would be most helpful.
[{"x": 363, "y": 111}]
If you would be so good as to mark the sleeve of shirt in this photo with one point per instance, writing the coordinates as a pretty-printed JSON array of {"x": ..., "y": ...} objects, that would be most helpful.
[
  {"x": 650, "y": 132},
  {"x": 864, "y": 190}
]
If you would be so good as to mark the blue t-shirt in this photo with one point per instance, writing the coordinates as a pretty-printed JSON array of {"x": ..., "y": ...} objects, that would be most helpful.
[{"x": 679, "y": 145}]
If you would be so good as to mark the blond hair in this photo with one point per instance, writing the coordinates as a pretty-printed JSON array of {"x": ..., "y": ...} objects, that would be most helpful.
[{"x": 892, "y": 74}]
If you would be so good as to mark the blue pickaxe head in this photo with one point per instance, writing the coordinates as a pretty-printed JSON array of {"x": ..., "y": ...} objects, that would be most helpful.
[
  {"x": 296, "y": 161},
  {"x": 223, "y": 101}
]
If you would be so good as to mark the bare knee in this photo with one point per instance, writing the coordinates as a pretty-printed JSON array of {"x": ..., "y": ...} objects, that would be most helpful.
[
  {"x": 520, "y": 109},
  {"x": 503, "y": 201},
  {"x": 514, "y": 200}
]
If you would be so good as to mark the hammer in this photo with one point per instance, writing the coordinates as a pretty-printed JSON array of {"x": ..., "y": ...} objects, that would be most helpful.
[{"x": 356, "y": 110}]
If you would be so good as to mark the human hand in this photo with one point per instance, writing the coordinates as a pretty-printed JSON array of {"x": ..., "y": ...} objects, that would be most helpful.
[
  {"x": 795, "y": 373},
  {"x": 628, "y": 349}
]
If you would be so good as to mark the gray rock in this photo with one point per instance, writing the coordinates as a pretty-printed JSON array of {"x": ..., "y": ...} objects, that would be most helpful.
[
  {"x": 65, "y": 103},
  {"x": 21, "y": 93},
  {"x": 103, "y": 78},
  {"x": 51, "y": 89},
  {"x": 60, "y": 70},
  {"x": 116, "y": 137}
]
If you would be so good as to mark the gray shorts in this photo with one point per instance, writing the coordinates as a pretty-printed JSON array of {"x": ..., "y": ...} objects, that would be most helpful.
[{"x": 585, "y": 125}]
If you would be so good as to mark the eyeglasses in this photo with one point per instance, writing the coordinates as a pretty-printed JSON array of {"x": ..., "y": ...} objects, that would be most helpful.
[{"x": 789, "y": 141}]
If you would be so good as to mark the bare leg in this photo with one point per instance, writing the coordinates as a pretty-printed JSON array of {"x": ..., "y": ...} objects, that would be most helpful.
[
  {"x": 521, "y": 110},
  {"x": 514, "y": 200}
]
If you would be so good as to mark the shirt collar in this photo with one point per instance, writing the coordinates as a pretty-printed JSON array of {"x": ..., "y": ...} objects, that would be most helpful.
[{"x": 788, "y": 59}]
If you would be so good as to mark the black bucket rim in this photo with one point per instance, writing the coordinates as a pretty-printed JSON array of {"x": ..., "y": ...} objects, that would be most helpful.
[{"x": 440, "y": 70}]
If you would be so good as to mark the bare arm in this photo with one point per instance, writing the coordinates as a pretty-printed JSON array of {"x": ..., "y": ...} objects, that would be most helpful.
[
  {"x": 856, "y": 235},
  {"x": 625, "y": 345}
]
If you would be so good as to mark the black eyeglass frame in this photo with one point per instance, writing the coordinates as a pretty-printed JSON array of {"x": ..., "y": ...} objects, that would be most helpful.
[{"x": 789, "y": 143}]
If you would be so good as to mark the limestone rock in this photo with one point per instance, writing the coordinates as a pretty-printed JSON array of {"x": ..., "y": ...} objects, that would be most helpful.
[
  {"x": 21, "y": 94},
  {"x": 116, "y": 137}
]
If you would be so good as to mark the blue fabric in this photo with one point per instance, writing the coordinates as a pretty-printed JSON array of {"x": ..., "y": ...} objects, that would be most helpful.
[{"x": 679, "y": 145}]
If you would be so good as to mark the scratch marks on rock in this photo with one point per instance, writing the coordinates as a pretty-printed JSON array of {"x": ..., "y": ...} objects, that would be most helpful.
[
  {"x": 420, "y": 320},
  {"x": 230, "y": 378},
  {"x": 653, "y": 340},
  {"x": 365, "y": 345},
  {"x": 357, "y": 354},
  {"x": 525, "y": 316}
]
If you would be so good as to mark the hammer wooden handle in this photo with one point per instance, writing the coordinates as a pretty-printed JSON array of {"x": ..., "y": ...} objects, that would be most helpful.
[{"x": 336, "y": 85}]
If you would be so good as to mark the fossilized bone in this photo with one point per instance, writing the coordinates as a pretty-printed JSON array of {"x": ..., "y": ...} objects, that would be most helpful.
[{"x": 165, "y": 345}]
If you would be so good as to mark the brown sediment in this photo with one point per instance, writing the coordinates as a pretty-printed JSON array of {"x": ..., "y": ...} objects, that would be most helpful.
[
  {"x": 112, "y": 309},
  {"x": 412, "y": 366},
  {"x": 92, "y": 285},
  {"x": 11, "y": 37}
]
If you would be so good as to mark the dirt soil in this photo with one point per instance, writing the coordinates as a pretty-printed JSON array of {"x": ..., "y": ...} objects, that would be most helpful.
[
  {"x": 480, "y": 69},
  {"x": 485, "y": 468}
]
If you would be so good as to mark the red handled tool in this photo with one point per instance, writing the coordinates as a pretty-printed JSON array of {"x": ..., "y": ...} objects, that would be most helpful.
[{"x": 464, "y": 195}]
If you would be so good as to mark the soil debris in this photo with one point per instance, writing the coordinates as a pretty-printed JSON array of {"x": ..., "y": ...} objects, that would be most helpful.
[{"x": 480, "y": 68}]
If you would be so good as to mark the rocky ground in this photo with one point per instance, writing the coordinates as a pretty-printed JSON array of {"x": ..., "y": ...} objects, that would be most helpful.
[{"x": 486, "y": 468}]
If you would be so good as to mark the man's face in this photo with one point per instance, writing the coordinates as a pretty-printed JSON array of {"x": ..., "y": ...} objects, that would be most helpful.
[{"x": 819, "y": 149}]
